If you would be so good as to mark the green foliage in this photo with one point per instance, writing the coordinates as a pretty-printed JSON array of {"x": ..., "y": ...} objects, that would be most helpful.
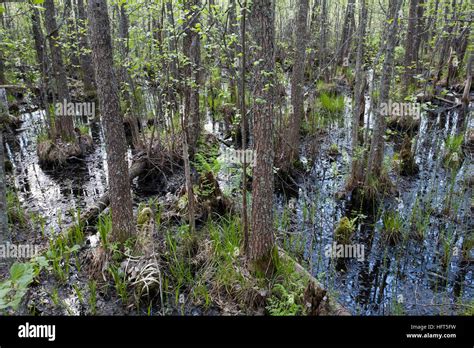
[
  {"x": 345, "y": 230},
  {"x": 207, "y": 164},
  {"x": 420, "y": 220},
  {"x": 453, "y": 151},
  {"x": 104, "y": 227},
  {"x": 332, "y": 104},
  {"x": 283, "y": 302},
  {"x": 15, "y": 212},
  {"x": 392, "y": 227},
  {"x": 288, "y": 290},
  {"x": 59, "y": 254},
  {"x": 22, "y": 275},
  {"x": 120, "y": 282},
  {"x": 92, "y": 296}
]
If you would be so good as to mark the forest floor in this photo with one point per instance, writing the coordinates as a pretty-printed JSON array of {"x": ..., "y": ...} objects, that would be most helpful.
[{"x": 415, "y": 247}]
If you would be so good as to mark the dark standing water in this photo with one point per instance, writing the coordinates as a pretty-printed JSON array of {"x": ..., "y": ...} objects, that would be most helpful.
[
  {"x": 55, "y": 194},
  {"x": 407, "y": 278}
]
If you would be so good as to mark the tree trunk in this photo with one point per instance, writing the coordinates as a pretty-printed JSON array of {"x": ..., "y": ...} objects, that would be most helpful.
[
  {"x": 42, "y": 62},
  {"x": 347, "y": 32},
  {"x": 410, "y": 44},
  {"x": 243, "y": 127},
  {"x": 64, "y": 124},
  {"x": 192, "y": 51},
  {"x": 112, "y": 123},
  {"x": 85, "y": 57},
  {"x": 71, "y": 39},
  {"x": 4, "y": 231},
  {"x": 262, "y": 239},
  {"x": 232, "y": 22},
  {"x": 3, "y": 80},
  {"x": 377, "y": 144},
  {"x": 291, "y": 143},
  {"x": 323, "y": 68},
  {"x": 358, "y": 98}
]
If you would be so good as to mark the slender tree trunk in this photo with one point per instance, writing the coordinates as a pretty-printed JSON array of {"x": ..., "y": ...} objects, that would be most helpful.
[
  {"x": 358, "y": 98},
  {"x": 71, "y": 38},
  {"x": 377, "y": 145},
  {"x": 262, "y": 239},
  {"x": 112, "y": 123},
  {"x": 420, "y": 28},
  {"x": 347, "y": 31},
  {"x": 85, "y": 57},
  {"x": 243, "y": 125},
  {"x": 410, "y": 44},
  {"x": 192, "y": 51},
  {"x": 314, "y": 34},
  {"x": 291, "y": 143},
  {"x": 323, "y": 66},
  {"x": 64, "y": 124},
  {"x": 42, "y": 62},
  {"x": 232, "y": 49},
  {"x": 3, "y": 80},
  {"x": 4, "y": 230}
]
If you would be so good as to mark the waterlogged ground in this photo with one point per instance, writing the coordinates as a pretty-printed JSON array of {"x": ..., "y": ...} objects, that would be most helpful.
[
  {"x": 56, "y": 195},
  {"x": 405, "y": 278},
  {"x": 408, "y": 278}
]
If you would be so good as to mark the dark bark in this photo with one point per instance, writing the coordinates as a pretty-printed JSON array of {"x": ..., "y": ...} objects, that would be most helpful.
[
  {"x": 244, "y": 125},
  {"x": 3, "y": 80},
  {"x": 4, "y": 230},
  {"x": 291, "y": 141},
  {"x": 410, "y": 44},
  {"x": 359, "y": 101},
  {"x": 192, "y": 51},
  {"x": 71, "y": 38},
  {"x": 347, "y": 32},
  {"x": 64, "y": 125},
  {"x": 112, "y": 123},
  {"x": 85, "y": 58},
  {"x": 378, "y": 143},
  {"x": 262, "y": 239},
  {"x": 323, "y": 35},
  {"x": 42, "y": 61}
]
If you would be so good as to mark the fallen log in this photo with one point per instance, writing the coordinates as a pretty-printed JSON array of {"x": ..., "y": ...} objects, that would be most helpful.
[
  {"x": 90, "y": 215},
  {"x": 333, "y": 307}
]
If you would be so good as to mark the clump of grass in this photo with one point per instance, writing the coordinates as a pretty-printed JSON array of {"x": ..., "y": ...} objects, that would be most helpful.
[
  {"x": 453, "y": 151},
  {"x": 92, "y": 296},
  {"x": 331, "y": 103},
  {"x": 104, "y": 227},
  {"x": 15, "y": 212},
  {"x": 420, "y": 221},
  {"x": 120, "y": 281},
  {"x": 392, "y": 227},
  {"x": 333, "y": 150},
  {"x": 467, "y": 246},
  {"x": 345, "y": 230}
]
